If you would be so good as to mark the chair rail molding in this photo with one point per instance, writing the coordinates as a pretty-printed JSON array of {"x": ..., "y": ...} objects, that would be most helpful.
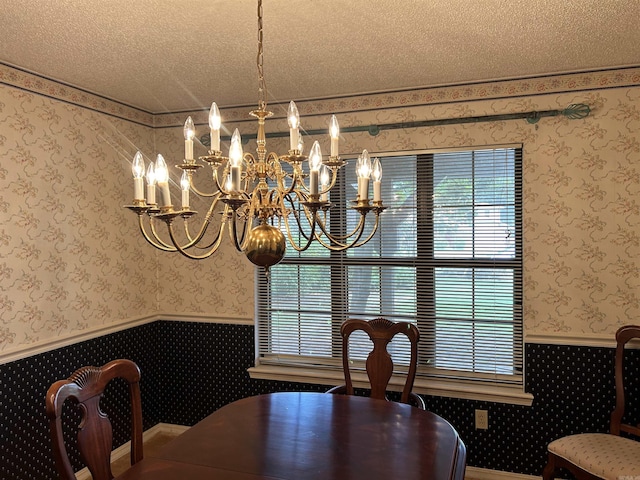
[{"x": 77, "y": 337}]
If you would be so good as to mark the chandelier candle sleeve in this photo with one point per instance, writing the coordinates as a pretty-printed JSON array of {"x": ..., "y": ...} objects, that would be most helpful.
[
  {"x": 235, "y": 158},
  {"x": 215, "y": 122},
  {"x": 185, "y": 185},
  {"x": 137, "y": 168},
  {"x": 151, "y": 184},
  {"x": 189, "y": 133},
  {"x": 334, "y": 132},
  {"x": 377, "y": 177},
  {"x": 324, "y": 184},
  {"x": 162, "y": 178},
  {"x": 293, "y": 118},
  {"x": 315, "y": 162}
]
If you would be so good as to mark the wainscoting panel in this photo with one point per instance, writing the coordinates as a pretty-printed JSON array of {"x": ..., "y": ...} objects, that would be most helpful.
[
  {"x": 190, "y": 369},
  {"x": 204, "y": 367},
  {"x": 25, "y": 444}
]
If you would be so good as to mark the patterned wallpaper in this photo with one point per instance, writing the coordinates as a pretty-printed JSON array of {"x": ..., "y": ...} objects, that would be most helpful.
[
  {"x": 581, "y": 201},
  {"x": 71, "y": 258},
  {"x": 218, "y": 285}
]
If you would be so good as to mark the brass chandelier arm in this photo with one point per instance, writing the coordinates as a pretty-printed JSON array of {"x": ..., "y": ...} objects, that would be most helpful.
[
  {"x": 204, "y": 194},
  {"x": 212, "y": 247},
  {"x": 203, "y": 228},
  {"x": 343, "y": 239},
  {"x": 155, "y": 241},
  {"x": 239, "y": 243},
  {"x": 340, "y": 242},
  {"x": 183, "y": 251},
  {"x": 278, "y": 174},
  {"x": 292, "y": 242},
  {"x": 218, "y": 187},
  {"x": 309, "y": 237},
  {"x": 356, "y": 243},
  {"x": 301, "y": 197}
]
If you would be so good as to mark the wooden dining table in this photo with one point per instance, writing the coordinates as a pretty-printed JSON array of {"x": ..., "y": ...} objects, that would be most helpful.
[{"x": 309, "y": 436}]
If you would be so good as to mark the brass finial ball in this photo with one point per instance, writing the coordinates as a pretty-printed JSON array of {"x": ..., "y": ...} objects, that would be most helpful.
[{"x": 265, "y": 246}]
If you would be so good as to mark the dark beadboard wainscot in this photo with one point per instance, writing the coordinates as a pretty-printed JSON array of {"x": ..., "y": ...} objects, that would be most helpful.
[{"x": 190, "y": 369}]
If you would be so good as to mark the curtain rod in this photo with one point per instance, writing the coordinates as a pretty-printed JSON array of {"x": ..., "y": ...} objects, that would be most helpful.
[{"x": 574, "y": 111}]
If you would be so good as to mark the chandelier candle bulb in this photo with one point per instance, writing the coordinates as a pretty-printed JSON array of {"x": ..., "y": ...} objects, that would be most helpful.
[
  {"x": 293, "y": 118},
  {"x": 215, "y": 122},
  {"x": 364, "y": 173},
  {"x": 185, "y": 185},
  {"x": 162, "y": 178},
  {"x": 137, "y": 168},
  {"x": 151, "y": 184},
  {"x": 334, "y": 132},
  {"x": 377, "y": 176},
  {"x": 189, "y": 133}
]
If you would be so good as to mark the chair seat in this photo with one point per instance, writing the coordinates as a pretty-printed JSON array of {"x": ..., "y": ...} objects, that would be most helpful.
[{"x": 604, "y": 455}]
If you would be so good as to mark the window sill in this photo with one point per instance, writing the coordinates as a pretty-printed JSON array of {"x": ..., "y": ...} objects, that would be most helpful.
[{"x": 513, "y": 395}]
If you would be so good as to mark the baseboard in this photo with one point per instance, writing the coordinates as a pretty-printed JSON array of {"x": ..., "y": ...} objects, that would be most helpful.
[
  {"x": 123, "y": 450},
  {"x": 476, "y": 473}
]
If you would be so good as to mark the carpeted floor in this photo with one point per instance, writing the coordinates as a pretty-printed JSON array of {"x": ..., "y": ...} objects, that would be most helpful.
[{"x": 156, "y": 442}]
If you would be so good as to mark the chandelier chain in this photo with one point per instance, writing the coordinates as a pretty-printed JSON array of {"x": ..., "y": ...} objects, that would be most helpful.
[{"x": 262, "y": 86}]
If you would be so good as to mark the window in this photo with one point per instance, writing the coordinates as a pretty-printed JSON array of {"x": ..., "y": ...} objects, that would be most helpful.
[{"x": 447, "y": 257}]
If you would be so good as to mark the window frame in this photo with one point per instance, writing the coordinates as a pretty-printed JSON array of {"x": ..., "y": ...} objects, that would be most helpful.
[{"x": 435, "y": 382}]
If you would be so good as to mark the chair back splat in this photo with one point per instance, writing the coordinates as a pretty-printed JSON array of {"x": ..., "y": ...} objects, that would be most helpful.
[
  {"x": 623, "y": 336},
  {"x": 379, "y": 364},
  {"x": 86, "y": 386}
]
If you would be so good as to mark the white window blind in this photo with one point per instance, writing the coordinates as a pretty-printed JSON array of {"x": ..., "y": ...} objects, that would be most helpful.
[{"x": 447, "y": 257}]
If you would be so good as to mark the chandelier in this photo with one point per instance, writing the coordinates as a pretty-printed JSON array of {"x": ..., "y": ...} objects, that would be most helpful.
[{"x": 257, "y": 199}]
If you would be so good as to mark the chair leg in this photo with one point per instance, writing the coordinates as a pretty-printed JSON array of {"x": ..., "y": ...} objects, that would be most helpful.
[{"x": 550, "y": 469}]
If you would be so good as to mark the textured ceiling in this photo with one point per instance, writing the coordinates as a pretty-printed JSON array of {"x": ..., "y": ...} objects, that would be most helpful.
[{"x": 168, "y": 55}]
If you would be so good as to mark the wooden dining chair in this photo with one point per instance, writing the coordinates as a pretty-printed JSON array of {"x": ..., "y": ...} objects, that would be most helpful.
[
  {"x": 597, "y": 456},
  {"x": 379, "y": 364},
  {"x": 86, "y": 386}
]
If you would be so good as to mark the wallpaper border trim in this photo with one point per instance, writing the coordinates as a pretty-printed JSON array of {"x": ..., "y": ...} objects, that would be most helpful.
[
  {"x": 17, "y": 77},
  {"x": 431, "y": 96},
  {"x": 60, "y": 342}
]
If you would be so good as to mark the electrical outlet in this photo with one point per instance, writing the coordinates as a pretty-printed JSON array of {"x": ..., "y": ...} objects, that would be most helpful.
[{"x": 482, "y": 419}]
